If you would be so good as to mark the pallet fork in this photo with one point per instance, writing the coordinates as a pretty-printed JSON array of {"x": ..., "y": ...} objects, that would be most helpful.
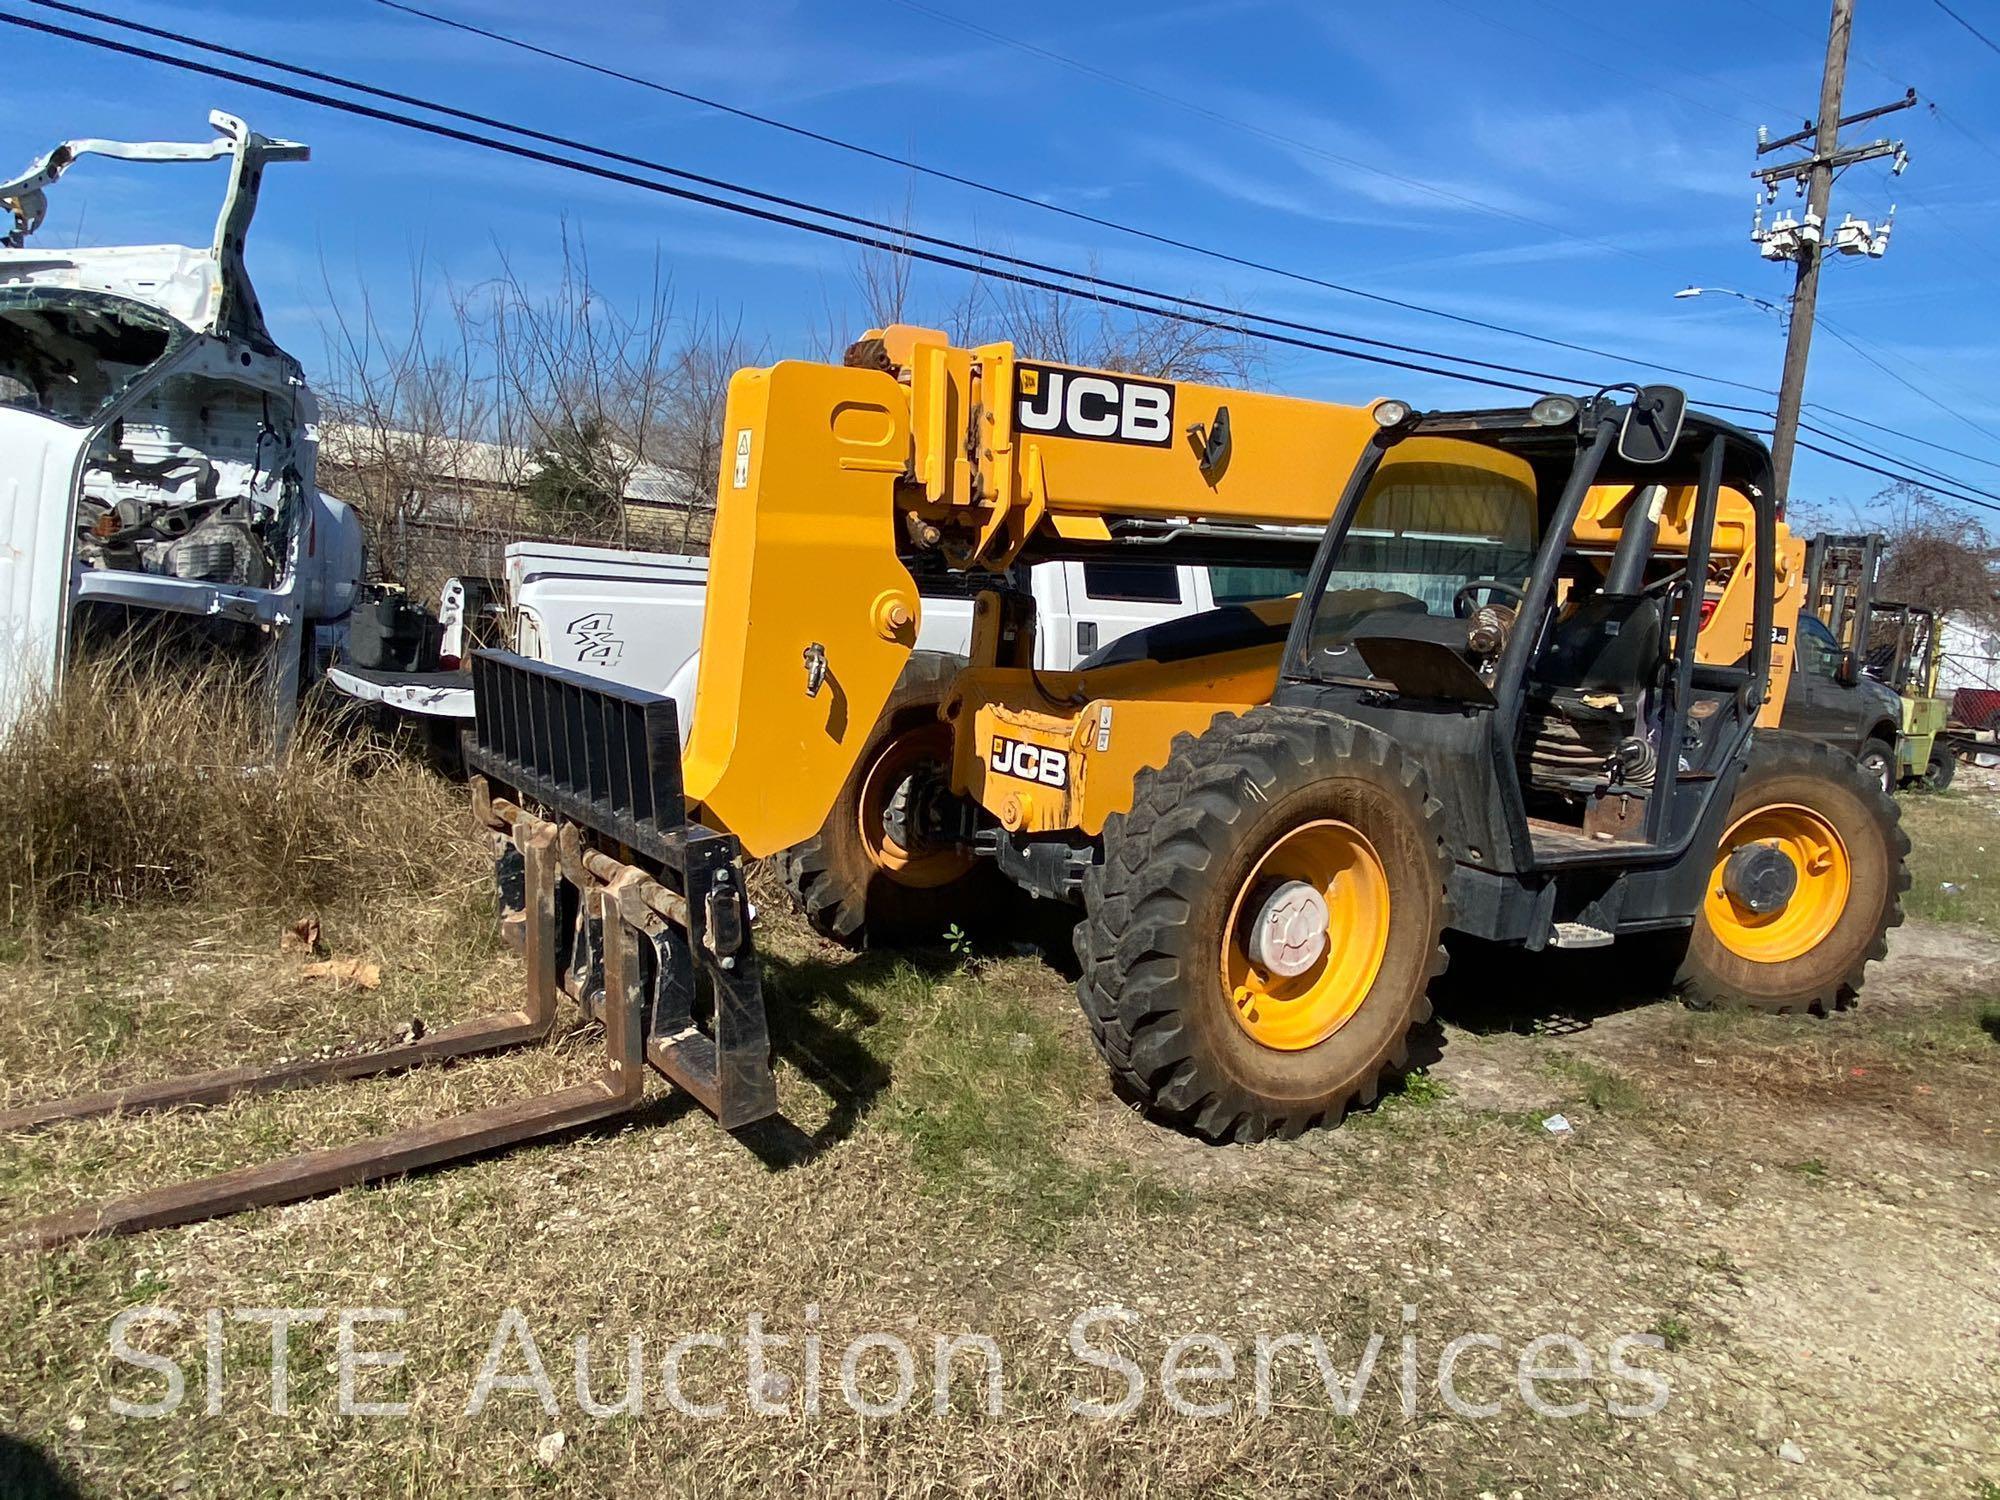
[{"x": 657, "y": 948}]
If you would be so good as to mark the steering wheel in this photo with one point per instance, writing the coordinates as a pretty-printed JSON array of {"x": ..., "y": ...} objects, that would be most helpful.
[{"x": 1462, "y": 602}]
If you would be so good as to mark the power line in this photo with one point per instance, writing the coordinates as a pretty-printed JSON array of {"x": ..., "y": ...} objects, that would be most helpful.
[
  {"x": 1856, "y": 463},
  {"x": 1117, "y": 226},
  {"x": 1935, "y": 475},
  {"x": 1087, "y": 217},
  {"x": 958, "y": 247},
  {"x": 901, "y": 233},
  {"x": 1932, "y": 480},
  {"x": 981, "y": 262},
  {"x": 1234, "y": 122},
  {"x": 1900, "y": 190},
  {"x": 1929, "y": 480},
  {"x": 959, "y": 179},
  {"x": 900, "y": 245},
  {"x": 1586, "y": 23},
  {"x": 1820, "y": 168},
  {"x": 1591, "y": 59},
  {"x": 1899, "y": 432},
  {"x": 1956, "y": 239},
  {"x": 1995, "y": 46},
  {"x": 1936, "y": 110},
  {"x": 1954, "y": 122},
  {"x": 1885, "y": 74},
  {"x": 1856, "y": 345}
]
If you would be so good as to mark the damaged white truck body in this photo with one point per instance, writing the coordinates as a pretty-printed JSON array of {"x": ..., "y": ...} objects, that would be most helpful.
[{"x": 157, "y": 448}]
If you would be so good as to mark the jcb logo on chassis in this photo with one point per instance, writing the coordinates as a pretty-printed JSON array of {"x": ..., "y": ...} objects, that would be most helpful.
[
  {"x": 1103, "y": 408},
  {"x": 1030, "y": 762}
]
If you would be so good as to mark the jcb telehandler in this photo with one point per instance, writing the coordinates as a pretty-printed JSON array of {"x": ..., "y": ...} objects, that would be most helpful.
[{"x": 1526, "y": 692}]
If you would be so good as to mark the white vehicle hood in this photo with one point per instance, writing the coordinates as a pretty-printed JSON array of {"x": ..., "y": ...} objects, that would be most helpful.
[{"x": 206, "y": 289}]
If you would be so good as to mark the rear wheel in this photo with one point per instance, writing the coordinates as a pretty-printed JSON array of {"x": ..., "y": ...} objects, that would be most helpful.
[
  {"x": 887, "y": 866},
  {"x": 1258, "y": 943},
  {"x": 1938, "y": 774},
  {"x": 1804, "y": 887}
]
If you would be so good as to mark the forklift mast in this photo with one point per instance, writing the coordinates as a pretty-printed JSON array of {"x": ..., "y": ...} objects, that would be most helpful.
[{"x": 1841, "y": 573}]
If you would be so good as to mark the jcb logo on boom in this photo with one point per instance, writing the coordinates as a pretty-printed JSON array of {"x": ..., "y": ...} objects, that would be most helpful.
[
  {"x": 1103, "y": 408},
  {"x": 1030, "y": 762}
]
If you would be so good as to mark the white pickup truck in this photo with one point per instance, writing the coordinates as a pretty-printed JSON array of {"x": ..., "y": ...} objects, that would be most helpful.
[{"x": 635, "y": 617}]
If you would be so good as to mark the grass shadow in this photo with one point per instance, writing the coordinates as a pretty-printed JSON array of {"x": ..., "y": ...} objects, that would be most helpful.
[
  {"x": 1491, "y": 988},
  {"x": 825, "y": 1020},
  {"x": 27, "y": 1473}
]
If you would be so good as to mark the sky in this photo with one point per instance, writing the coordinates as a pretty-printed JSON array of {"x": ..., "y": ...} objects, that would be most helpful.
[{"x": 1540, "y": 164}]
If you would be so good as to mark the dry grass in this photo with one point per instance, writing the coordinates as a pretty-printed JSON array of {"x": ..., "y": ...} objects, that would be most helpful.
[
  {"x": 131, "y": 786},
  {"x": 957, "y": 1163},
  {"x": 157, "y": 850}
]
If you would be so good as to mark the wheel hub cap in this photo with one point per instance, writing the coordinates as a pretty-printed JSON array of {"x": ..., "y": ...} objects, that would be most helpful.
[
  {"x": 1759, "y": 878},
  {"x": 1289, "y": 932},
  {"x": 896, "y": 820},
  {"x": 898, "y": 811},
  {"x": 1306, "y": 935},
  {"x": 1770, "y": 915}
]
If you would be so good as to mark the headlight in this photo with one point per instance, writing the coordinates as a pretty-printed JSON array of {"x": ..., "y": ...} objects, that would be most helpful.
[
  {"x": 1391, "y": 413},
  {"x": 1553, "y": 411}
]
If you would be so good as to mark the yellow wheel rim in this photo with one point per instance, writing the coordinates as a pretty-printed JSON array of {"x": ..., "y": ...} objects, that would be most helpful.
[
  {"x": 1292, "y": 1012},
  {"x": 1825, "y": 879},
  {"x": 923, "y": 751}
]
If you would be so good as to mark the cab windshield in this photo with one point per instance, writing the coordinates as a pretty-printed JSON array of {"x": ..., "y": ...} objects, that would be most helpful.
[{"x": 1431, "y": 526}]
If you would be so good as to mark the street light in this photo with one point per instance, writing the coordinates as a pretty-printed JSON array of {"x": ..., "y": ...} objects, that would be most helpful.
[
  {"x": 1775, "y": 311},
  {"x": 1723, "y": 291}
]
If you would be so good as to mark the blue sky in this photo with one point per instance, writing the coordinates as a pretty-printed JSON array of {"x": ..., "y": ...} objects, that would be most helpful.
[{"x": 1608, "y": 155}]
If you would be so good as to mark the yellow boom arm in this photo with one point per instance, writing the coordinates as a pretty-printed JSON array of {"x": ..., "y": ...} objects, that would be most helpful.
[{"x": 811, "y": 616}]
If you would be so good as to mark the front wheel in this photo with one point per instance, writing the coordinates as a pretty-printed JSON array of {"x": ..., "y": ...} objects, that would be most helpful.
[
  {"x": 1803, "y": 888},
  {"x": 1257, "y": 946}
]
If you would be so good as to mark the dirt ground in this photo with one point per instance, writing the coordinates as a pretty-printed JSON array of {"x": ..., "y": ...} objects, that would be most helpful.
[{"x": 1774, "y": 1243}]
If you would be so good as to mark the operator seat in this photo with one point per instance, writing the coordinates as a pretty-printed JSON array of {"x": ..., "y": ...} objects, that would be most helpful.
[{"x": 1588, "y": 695}]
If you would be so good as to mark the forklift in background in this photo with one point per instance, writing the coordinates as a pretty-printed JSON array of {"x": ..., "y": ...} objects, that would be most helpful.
[
  {"x": 1880, "y": 641},
  {"x": 1906, "y": 654}
]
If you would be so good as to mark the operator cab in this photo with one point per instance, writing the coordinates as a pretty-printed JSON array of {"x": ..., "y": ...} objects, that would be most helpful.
[{"x": 1516, "y": 593}]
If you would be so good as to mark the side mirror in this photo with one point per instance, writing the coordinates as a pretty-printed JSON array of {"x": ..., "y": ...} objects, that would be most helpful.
[
  {"x": 1652, "y": 424},
  {"x": 1844, "y": 671}
]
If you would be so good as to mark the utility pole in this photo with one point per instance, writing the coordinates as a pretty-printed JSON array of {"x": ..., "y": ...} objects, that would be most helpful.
[{"x": 1804, "y": 241}]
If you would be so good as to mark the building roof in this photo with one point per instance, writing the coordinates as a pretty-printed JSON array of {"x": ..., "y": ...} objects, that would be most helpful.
[{"x": 496, "y": 465}]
